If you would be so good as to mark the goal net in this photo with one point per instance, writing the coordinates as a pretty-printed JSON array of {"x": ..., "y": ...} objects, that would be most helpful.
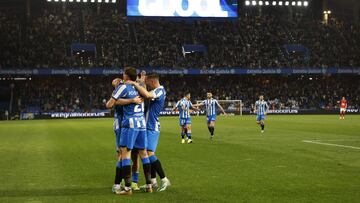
[{"x": 231, "y": 107}]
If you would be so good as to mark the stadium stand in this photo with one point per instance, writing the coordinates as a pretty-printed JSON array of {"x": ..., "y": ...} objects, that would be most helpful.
[
  {"x": 251, "y": 41},
  {"x": 71, "y": 94}
]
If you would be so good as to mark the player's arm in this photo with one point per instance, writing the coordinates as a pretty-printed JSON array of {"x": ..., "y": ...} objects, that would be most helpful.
[
  {"x": 117, "y": 94},
  {"x": 199, "y": 104},
  {"x": 123, "y": 102},
  {"x": 220, "y": 107},
  {"x": 143, "y": 92},
  {"x": 110, "y": 103},
  {"x": 176, "y": 107},
  {"x": 255, "y": 108},
  {"x": 141, "y": 79},
  {"x": 193, "y": 107}
]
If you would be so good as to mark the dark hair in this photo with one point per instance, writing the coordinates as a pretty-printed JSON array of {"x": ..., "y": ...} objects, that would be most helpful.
[
  {"x": 186, "y": 93},
  {"x": 152, "y": 76},
  {"x": 131, "y": 73}
]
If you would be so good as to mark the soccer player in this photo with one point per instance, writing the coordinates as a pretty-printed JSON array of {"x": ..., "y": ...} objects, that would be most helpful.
[
  {"x": 343, "y": 106},
  {"x": 211, "y": 106},
  {"x": 184, "y": 106},
  {"x": 117, "y": 130},
  {"x": 133, "y": 131},
  {"x": 261, "y": 109},
  {"x": 156, "y": 98}
]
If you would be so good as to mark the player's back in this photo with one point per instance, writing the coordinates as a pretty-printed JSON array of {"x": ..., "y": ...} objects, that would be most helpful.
[
  {"x": 155, "y": 107},
  {"x": 133, "y": 114}
]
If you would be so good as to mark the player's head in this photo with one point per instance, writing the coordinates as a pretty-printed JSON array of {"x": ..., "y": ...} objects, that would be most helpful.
[
  {"x": 116, "y": 82},
  {"x": 187, "y": 95},
  {"x": 152, "y": 80},
  {"x": 130, "y": 74},
  {"x": 261, "y": 97},
  {"x": 343, "y": 98},
  {"x": 209, "y": 95}
]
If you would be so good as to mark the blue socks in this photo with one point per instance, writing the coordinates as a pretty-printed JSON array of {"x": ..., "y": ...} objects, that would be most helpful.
[
  {"x": 152, "y": 158},
  {"x": 189, "y": 135},
  {"x": 135, "y": 177}
]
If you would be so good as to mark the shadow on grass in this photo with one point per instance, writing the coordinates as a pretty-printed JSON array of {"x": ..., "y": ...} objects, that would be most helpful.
[{"x": 55, "y": 192}]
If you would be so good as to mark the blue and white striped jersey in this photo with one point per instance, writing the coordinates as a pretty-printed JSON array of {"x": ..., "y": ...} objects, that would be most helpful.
[
  {"x": 211, "y": 106},
  {"x": 261, "y": 107},
  {"x": 156, "y": 105},
  {"x": 184, "y": 107},
  {"x": 133, "y": 114}
]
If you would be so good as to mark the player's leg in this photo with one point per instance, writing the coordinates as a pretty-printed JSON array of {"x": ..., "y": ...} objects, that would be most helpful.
[
  {"x": 212, "y": 128},
  {"x": 340, "y": 116},
  {"x": 135, "y": 169},
  {"x": 118, "y": 172},
  {"x": 258, "y": 120},
  {"x": 208, "y": 121},
  {"x": 118, "y": 175},
  {"x": 141, "y": 144},
  {"x": 188, "y": 132},
  {"x": 127, "y": 141},
  {"x": 182, "y": 127},
  {"x": 342, "y": 113},
  {"x": 156, "y": 167},
  {"x": 262, "y": 124},
  {"x": 183, "y": 133}
]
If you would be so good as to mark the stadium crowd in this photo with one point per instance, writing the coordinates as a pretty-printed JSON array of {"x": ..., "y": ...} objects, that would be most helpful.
[
  {"x": 251, "y": 41},
  {"x": 72, "y": 94}
]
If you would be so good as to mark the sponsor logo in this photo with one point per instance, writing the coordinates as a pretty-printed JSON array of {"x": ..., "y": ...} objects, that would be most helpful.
[
  {"x": 284, "y": 111},
  {"x": 77, "y": 115}
]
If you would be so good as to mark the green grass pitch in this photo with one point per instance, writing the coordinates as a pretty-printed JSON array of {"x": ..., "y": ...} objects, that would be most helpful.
[{"x": 74, "y": 160}]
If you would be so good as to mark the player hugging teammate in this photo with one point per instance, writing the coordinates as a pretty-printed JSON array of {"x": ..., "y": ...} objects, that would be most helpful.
[{"x": 136, "y": 132}]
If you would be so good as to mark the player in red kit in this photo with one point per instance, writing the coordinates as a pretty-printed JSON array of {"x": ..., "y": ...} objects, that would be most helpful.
[{"x": 343, "y": 106}]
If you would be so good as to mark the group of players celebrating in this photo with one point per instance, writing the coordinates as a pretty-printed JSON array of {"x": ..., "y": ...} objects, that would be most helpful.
[{"x": 137, "y": 130}]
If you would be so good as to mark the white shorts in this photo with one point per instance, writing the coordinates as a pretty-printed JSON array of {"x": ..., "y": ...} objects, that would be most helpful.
[{"x": 342, "y": 109}]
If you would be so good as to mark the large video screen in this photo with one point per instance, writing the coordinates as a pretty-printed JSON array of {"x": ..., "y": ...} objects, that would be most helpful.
[{"x": 182, "y": 8}]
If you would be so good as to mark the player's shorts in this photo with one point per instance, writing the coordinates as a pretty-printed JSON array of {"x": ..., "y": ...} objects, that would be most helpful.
[
  {"x": 260, "y": 117},
  {"x": 342, "y": 109},
  {"x": 133, "y": 138},
  {"x": 152, "y": 139},
  {"x": 211, "y": 118},
  {"x": 185, "y": 121},
  {"x": 117, "y": 131},
  {"x": 117, "y": 138}
]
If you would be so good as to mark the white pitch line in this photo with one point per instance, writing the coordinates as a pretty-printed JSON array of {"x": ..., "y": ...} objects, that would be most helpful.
[
  {"x": 341, "y": 140},
  {"x": 329, "y": 144}
]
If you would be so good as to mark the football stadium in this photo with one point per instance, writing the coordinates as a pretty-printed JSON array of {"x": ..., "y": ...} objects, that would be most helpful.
[{"x": 180, "y": 101}]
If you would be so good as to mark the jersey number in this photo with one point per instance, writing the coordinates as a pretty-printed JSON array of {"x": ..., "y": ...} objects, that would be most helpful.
[{"x": 139, "y": 108}]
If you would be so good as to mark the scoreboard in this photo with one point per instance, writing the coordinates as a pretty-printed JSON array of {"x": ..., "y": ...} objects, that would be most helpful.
[{"x": 182, "y": 8}]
